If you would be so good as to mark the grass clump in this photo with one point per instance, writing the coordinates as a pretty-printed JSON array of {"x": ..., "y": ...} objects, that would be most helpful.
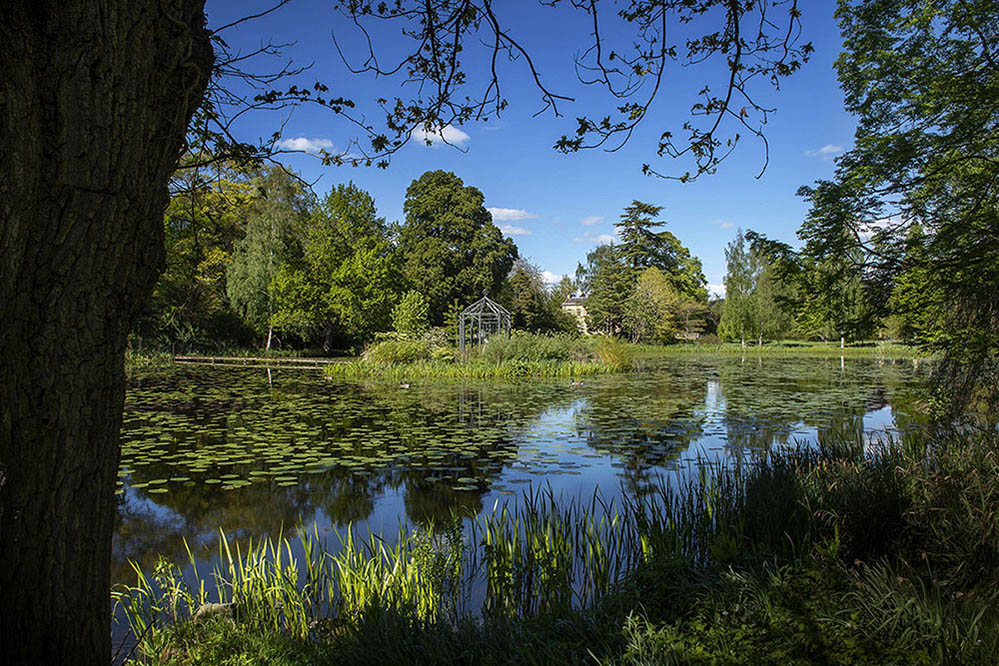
[
  {"x": 845, "y": 554},
  {"x": 532, "y": 347},
  {"x": 519, "y": 355}
]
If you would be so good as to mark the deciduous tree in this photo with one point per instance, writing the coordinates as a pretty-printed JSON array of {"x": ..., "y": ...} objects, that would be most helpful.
[{"x": 451, "y": 250}]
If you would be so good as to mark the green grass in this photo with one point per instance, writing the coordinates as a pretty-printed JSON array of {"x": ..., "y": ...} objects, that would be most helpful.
[
  {"x": 790, "y": 348},
  {"x": 466, "y": 370},
  {"x": 520, "y": 355},
  {"x": 834, "y": 556}
]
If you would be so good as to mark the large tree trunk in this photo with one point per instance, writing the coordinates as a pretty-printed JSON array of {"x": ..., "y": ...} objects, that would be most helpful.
[{"x": 95, "y": 98}]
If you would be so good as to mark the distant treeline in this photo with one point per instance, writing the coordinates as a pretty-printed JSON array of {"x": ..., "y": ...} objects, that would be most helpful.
[{"x": 254, "y": 258}]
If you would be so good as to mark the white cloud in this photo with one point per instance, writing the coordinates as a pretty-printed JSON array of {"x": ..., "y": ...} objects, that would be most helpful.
[
  {"x": 593, "y": 238},
  {"x": 591, "y": 220},
  {"x": 826, "y": 152},
  {"x": 716, "y": 290},
  {"x": 867, "y": 230},
  {"x": 511, "y": 214},
  {"x": 723, "y": 224},
  {"x": 511, "y": 230},
  {"x": 306, "y": 145},
  {"x": 551, "y": 278},
  {"x": 448, "y": 135}
]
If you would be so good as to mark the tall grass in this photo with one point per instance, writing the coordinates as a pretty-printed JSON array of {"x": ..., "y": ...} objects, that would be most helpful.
[
  {"x": 468, "y": 370},
  {"x": 854, "y": 554},
  {"x": 519, "y": 355}
]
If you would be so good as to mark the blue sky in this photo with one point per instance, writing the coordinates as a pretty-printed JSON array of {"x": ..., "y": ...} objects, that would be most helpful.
[{"x": 558, "y": 207}]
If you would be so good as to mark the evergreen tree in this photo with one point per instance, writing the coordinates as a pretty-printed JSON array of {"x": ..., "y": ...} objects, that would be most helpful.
[
  {"x": 643, "y": 247},
  {"x": 451, "y": 250},
  {"x": 609, "y": 283}
]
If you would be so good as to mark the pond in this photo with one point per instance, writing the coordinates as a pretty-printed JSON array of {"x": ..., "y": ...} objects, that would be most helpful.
[{"x": 256, "y": 452}]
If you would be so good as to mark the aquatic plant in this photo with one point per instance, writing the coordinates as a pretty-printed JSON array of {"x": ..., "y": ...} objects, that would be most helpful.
[{"x": 777, "y": 562}]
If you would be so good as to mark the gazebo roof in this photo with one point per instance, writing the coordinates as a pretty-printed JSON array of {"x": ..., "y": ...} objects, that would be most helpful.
[{"x": 485, "y": 305}]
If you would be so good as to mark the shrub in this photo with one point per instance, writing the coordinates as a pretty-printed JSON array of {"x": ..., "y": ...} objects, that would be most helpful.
[
  {"x": 389, "y": 352},
  {"x": 410, "y": 316}
]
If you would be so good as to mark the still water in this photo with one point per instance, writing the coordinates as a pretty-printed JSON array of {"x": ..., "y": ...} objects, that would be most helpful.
[{"x": 256, "y": 452}]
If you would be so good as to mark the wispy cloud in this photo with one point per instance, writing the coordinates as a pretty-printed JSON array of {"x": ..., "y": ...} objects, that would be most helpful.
[
  {"x": 511, "y": 230},
  {"x": 593, "y": 238},
  {"x": 447, "y": 135},
  {"x": 511, "y": 214},
  {"x": 716, "y": 290},
  {"x": 591, "y": 220},
  {"x": 826, "y": 152},
  {"x": 305, "y": 145},
  {"x": 551, "y": 278},
  {"x": 724, "y": 224}
]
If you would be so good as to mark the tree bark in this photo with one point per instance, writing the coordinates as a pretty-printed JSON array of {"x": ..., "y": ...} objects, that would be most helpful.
[{"x": 95, "y": 98}]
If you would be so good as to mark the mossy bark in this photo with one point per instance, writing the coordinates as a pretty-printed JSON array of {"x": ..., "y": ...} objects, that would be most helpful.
[{"x": 95, "y": 99}]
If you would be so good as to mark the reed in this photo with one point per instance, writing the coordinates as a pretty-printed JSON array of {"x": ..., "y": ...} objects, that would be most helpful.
[
  {"x": 467, "y": 370},
  {"x": 869, "y": 554}
]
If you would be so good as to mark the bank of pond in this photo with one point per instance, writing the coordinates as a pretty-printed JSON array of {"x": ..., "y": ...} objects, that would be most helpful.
[{"x": 721, "y": 510}]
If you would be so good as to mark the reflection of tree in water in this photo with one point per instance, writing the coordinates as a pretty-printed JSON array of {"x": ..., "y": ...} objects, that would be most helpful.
[
  {"x": 148, "y": 526},
  {"x": 481, "y": 423},
  {"x": 766, "y": 399},
  {"x": 443, "y": 445},
  {"x": 345, "y": 497},
  {"x": 645, "y": 424},
  {"x": 354, "y": 440}
]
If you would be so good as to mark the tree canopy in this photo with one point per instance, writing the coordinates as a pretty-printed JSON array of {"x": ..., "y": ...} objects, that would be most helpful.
[{"x": 451, "y": 249}]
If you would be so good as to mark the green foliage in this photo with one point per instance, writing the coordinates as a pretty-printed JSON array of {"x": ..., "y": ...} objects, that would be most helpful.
[
  {"x": 410, "y": 315},
  {"x": 608, "y": 283},
  {"x": 835, "y": 555},
  {"x": 656, "y": 310},
  {"x": 202, "y": 224},
  {"x": 273, "y": 236},
  {"x": 772, "y": 290},
  {"x": 737, "y": 322},
  {"x": 641, "y": 247},
  {"x": 533, "y": 306},
  {"x": 921, "y": 79},
  {"x": 521, "y": 346},
  {"x": 451, "y": 250},
  {"x": 390, "y": 352},
  {"x": 344, "y": 287},
  {"x": 612, "y": 352},
  {"x": 671, "y": 298}
]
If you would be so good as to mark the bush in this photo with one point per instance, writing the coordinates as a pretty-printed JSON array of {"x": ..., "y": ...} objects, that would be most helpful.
[
  {"x": 389, "y": 352},
  {"x": 409, "y": 318}
]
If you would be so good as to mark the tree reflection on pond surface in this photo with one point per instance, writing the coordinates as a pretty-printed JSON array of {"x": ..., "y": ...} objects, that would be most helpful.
[{"x": 210, "y": 448}]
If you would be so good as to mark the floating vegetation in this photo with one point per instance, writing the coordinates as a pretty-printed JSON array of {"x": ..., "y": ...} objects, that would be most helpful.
[{"x": 228, "y": 447}]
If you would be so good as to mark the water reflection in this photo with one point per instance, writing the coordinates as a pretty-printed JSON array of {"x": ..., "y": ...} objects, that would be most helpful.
[{"x": 256, "y": 452}]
